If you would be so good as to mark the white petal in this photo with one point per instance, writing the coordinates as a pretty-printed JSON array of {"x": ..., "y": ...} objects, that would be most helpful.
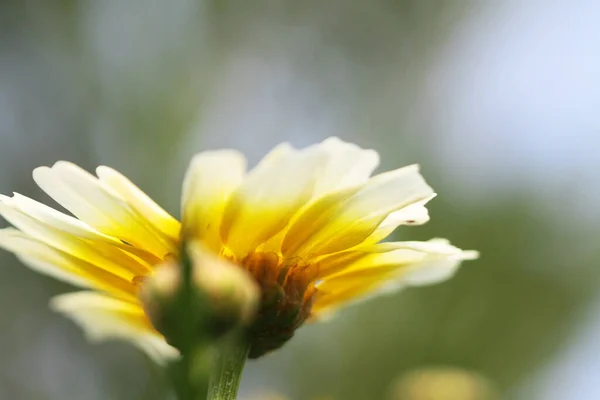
[
  {"x": 210, "y": 179},
  {"x": 40, "y": 257},
  {"x": 49, "y": 261},
  {"x": 412, "y": 254},
  {"x": 104, "y": 255},
  {"x": 347, "y": 165},
  {"x": 269, "y": 197},
  {"x": 103, "y": 317},
  {"x": 54, "y": 218},
  {"x": 98, "y": 205},
  {"x": 437, "y": 269},
  {"x": 388, "y": 192},
  {"x": 359, "y": 216},
  {"x": 398, "y": 265},
  {"x": 162, "y": 221},
  {"x": 413, "y": 214},
  {"x": 314, "y": 218}
]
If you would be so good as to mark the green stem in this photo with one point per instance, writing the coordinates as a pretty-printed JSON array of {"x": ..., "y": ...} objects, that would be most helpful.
[
  {"x": 187, "y": 341},
  {"x": 190, "y": 374},
  {"x": 227, "y": 372}
]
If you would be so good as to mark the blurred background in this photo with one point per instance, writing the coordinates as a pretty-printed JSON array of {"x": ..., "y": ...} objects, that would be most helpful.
[{"x": 498, "y": 101}]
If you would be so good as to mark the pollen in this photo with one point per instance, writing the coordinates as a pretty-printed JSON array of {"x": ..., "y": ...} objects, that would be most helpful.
[{"x": 287, "y": 293}]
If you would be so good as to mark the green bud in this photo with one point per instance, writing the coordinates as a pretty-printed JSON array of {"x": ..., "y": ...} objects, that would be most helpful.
[{"x": 220, "y": 298}]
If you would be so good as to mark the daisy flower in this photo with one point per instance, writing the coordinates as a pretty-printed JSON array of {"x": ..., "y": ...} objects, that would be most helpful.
[{"x": 308, "y": 225}]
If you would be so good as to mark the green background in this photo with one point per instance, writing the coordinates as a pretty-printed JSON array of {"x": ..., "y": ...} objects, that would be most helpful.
[{"x": 495, "y": 100}]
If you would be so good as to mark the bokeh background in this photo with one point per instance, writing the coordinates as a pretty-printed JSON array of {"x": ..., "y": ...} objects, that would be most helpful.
[{"x": 498, "y": 101}]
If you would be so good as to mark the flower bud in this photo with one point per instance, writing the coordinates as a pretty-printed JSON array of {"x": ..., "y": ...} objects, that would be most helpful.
[
  {"x": 220, "y": 297},
  {"x": 232, "y": 292}
]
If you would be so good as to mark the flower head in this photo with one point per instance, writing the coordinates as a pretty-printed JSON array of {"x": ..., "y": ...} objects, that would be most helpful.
[{"x": 306, "y": 224}]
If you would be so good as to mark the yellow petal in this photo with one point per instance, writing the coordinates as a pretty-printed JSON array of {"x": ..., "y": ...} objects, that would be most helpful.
[
  {"x": 54, "y": 218},
  {"x": 210, "y": 179},
  {"x": 98, "y": 252},
  {"x": 161, "y": 220},
  {"x": 69, "y": 226},
  {"x": 413, "y": 214},
  {"x": 360, "y": 215},
  {"x": 39, "y": 257},
  {"x": 314, "y": 218},
  {"x": 397, "y": 265},
  {"x": 269, "y": 197},
  {"x": 46, "y": 260},
  {"x": 103, "y": 317},
  {"x": 396, "y": 255},
  {"x": 345, "y": 167},
  {"x": 333, "y": 263},
  {"x": 99, "y": 206}
]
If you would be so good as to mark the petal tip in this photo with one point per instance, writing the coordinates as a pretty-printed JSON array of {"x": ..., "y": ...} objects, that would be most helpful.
[
  {"x": 40, "y": 171},
  {"x": 103, "y": 170},
  {"x": 470, "y": 255}
]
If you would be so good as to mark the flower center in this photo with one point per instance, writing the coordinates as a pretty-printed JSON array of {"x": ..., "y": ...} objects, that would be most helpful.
[{"x": 287, "y": 293}]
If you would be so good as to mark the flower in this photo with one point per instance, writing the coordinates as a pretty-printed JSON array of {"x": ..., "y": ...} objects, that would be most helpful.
[{"x": 307, "y": 224}]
